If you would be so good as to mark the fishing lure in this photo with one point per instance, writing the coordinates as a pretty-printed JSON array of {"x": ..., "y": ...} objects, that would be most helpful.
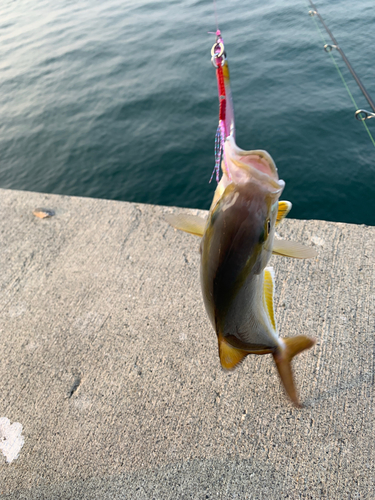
[
  {"x": 238, "y": 239},
  {"x": 226, "y": 115}
]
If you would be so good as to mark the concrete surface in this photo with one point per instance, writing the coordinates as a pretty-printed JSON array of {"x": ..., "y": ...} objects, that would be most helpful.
[{"x": 110, "y": 364}]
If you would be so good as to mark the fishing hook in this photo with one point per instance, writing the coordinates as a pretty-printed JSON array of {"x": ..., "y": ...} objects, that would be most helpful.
[{"x": 362, "y": 115}]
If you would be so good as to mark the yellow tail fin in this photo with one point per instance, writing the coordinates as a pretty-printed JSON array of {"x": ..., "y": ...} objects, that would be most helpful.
[{"x": 283, "y": 360}]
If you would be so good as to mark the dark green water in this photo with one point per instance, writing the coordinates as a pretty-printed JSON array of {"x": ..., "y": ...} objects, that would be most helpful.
[{"x": 118, "y": 100}]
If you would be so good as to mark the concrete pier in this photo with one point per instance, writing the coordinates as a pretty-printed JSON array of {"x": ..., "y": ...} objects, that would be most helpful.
[{"x": 110, "y": 364}]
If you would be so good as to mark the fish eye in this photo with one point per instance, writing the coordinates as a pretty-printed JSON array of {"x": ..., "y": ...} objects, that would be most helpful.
[
  {"x": 267, "y": 228},
  {"x": 265, "y": 232}
]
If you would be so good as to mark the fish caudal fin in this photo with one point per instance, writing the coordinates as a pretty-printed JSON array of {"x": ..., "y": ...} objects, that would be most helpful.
[
  {"x": 283, "y": 358},
  {"x": 192, "y": 224},
  {"x": 292, "y": 249},
  {"x": 283, "y": 210}
]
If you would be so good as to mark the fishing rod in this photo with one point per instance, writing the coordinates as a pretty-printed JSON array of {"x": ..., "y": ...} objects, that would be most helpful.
[{"x": 360, "y": 114}]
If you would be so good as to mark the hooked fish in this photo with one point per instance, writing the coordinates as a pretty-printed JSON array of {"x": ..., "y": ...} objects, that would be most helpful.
[{"x": 238, "y": 239}]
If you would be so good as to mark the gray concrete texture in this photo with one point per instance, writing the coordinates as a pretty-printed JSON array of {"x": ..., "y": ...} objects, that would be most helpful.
[{"x": 110, "y": 364}]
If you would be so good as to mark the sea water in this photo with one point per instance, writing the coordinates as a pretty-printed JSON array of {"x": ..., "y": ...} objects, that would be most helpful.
[{"x": 118, "y": 99}]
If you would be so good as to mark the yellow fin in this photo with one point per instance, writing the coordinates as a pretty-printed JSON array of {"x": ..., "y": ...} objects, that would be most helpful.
[
  {"x": 268, "y": 288},
  {"x": 283, "y": 358},
  {"x": 284, "y": 209},
  {"x": 230, "y": 356},
  {"x": 292, "y": 249},
  {"x": 192, "y": 224}
]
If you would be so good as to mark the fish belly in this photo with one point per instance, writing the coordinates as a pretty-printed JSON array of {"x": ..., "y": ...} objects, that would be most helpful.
[{"x": 247, "y": 319}]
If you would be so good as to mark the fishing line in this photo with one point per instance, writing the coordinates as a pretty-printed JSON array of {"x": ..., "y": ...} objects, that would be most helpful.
[
  {"x": 360, "y": 114},
  {"x": 217, "y": 22}
]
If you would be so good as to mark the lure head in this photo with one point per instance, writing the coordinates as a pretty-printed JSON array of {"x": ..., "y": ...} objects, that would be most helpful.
[{"x": 241, "y": 224}]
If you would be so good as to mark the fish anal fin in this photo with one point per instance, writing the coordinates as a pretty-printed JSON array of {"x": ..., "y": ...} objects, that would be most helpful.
[
  {"x": 233, "y": 351},
  {"x": 292, "y": 249},
  {"x": 230, "y": 356},
  {"x": 268, "y": 289},
  {"x": 283, "y": 210},
  {"x": 192, "y": 224},
  {"x": 283, "y": 358}
]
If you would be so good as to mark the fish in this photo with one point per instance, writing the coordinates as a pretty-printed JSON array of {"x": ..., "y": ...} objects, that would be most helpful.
[{"x": 238, "y": 240}]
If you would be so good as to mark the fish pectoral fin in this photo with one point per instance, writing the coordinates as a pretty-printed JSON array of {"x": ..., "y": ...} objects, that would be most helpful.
[
  {"x": 283, "y": 358},
  {"x": 230, "y": 356},
  {"x": 192, "y": 224},
  {"x": 283, "y": 210},
  {"x": 268, "y": 288},
  {"x": 293, "y": 249}
]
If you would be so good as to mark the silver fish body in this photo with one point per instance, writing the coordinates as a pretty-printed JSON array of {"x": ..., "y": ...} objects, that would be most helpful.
[
  {"x": 238, "y": 239},
  {"x": 236, "y": 247}
]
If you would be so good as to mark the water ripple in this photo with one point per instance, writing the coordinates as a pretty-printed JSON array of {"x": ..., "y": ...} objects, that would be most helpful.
[{"x": 118, "y": 100}]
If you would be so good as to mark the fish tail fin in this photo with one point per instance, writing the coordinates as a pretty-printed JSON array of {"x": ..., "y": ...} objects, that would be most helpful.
[{"x": 283, "y": 358}]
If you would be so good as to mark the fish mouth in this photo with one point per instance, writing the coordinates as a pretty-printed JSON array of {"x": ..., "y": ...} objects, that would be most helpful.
[{"x": 242, "y": 166}]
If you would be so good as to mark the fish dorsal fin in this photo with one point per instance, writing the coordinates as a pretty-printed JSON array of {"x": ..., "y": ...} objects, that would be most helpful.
[
  {"x": 230, "y": 356},
  {"x": 192, "y": 224},
  {"x": 292, "y": 249},
  {"x": 268, "y": 288},
  {"x": 284, "y": 209}
]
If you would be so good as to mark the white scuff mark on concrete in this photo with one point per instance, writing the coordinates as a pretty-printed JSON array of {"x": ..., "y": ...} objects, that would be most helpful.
[
  {"x": 11, "y": 439},
  {"x": 82, "y": 403},
  {"x": 17, "y": 310},
  {"x": 89, "y": 323},
  {"x": 31, "y": 346},
  {"x": 317, "y": 241}
]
